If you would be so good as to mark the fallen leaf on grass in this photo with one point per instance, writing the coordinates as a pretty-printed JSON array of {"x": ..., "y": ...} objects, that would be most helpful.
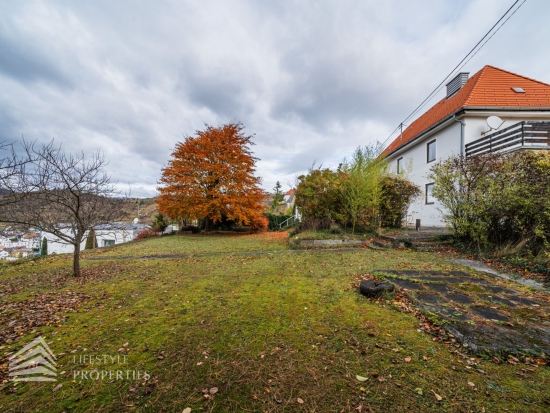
[
  {"x": 419, "y": 391},
  {"x": 513, "y": 360},
  {"x": 56, "y": 388},
  {"x": 471, "y": 384},
  {"x": 381, "y": 379},
  {"x": 361, "y": 378},
  {"x": 186, "y": 410},
  {"x": 407, "y": 359},
  {"x": 437, "y": 396},
  {"x": 300, "y": 400},
  {"x": 213, "y": 390}
]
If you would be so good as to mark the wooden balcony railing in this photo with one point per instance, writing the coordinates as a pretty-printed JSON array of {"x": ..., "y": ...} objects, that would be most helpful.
[{"x": 532, "y": 135}]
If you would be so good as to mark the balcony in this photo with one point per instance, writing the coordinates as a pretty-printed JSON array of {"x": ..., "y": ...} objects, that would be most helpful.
[{"x": 528, "y": 135}]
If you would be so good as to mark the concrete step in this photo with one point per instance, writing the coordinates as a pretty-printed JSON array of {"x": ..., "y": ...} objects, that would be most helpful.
[
  {"x": 381, "y": 244},
  {"x": 416, "y": 244},
  {"x": 374, "y": 247},
  {"x": 431, "y": 248}
]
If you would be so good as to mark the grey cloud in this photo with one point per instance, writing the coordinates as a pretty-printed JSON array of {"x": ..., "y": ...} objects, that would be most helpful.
[
  {"x": 24, "y": 62},
  {"x": 9, "y": 127},
  {"x": 219, "y": 94},
  {"x": 311, "y": 80}
]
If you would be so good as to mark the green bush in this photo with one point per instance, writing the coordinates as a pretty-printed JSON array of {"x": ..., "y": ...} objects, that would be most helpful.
[
  {"x": 318, "y": 195},
  {"x": 361, "y": 178},
  {"x": 497, "y": 199},
  {"x": 275, "y": 221},
  {"x": 91, "y": 240},
  {"x": 396, "y": 195},
  {"x": 44, "y": 248},
  {"x": 361, "y": 193},
  {"x": 159, "y": 223}
]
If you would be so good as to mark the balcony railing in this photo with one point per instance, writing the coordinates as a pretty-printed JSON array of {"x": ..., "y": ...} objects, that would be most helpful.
[{"x": 532, "y": 135}]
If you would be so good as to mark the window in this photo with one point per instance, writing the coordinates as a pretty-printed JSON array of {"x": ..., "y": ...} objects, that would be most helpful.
[
  {"x": 108, "y": 242},
  {"x": 429, "y": 194},
  {"x": 431, "y": 150},
  {"x": 400, "y": 165}
]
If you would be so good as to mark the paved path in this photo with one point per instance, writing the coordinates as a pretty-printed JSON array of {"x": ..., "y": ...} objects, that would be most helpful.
[
  {"x": 479, "y": 266},
  {"x": 478, "y": 310}
]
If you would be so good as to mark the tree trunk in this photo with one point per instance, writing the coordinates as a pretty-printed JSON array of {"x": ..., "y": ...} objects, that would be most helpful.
[
  {"x": 76, "y": 261},
  {"x": 208, "y": 224}
]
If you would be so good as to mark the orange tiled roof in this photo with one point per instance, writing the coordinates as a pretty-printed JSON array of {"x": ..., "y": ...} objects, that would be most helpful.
[{"x": 490, "y": 87}]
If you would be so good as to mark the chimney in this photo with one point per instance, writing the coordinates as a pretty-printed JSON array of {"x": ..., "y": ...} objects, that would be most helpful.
[{"x": 456, "y": 83}]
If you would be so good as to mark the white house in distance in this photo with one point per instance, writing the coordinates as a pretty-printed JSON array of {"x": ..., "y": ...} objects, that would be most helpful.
[
  {"x": 106, "y": 235},
  {"x": 289, "y": 197},
  {"x": 458, "y": 124},
  {"x": 117, "y": 233}
]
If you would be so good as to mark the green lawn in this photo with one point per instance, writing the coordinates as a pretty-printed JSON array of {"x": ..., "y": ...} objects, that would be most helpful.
[
  {"x": 280, "y": 332},
  {"x": 199, "y": 244}
]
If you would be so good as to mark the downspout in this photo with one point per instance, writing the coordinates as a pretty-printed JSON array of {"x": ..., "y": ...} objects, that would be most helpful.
[{"x": 462, "y": 124}]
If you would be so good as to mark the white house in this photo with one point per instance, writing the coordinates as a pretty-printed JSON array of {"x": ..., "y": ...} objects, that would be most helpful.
[
  {"x": 106, "y": 235},
  {"x": 289, "y": 197},
  {"x": 56, "y": 245},
  {"x": 117, "y": 233},
  {"x": 458, "y": 124}
]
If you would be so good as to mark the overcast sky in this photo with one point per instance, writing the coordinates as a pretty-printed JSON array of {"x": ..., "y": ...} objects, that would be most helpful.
[{"x": 311, "y": 79}]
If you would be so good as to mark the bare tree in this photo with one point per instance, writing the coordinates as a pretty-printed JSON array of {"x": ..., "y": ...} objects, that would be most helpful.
[
  {"x": 11, "y": 164},
  {"x": 62, "y": 194}
]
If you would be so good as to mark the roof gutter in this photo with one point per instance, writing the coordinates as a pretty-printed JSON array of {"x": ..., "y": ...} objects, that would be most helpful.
[
  {"x": 462, "y": 111},
  {"x": 506, "y": 108}
]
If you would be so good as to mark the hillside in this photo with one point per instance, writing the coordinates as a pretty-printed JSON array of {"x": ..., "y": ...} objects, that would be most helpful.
[{"x": 147, "y": 210}]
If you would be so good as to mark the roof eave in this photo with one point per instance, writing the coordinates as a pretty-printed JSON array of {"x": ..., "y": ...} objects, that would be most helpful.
[
  {"x": 461, "y": 112},
  {"x": 425, "y": 132}
]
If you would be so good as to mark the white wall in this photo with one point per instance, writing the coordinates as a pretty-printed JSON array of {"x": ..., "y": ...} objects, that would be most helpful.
[
  {"x": 447, "y": 144},
  {"x": 57, "y": 246},
  {"x": 117, "y": 235}
]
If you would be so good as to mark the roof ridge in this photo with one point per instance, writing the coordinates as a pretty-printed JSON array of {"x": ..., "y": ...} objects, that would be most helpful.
[
  {"x": 517, "y": 74},
  {"x": 478, "y": 75},
  {"x": 489, "y": 86}
]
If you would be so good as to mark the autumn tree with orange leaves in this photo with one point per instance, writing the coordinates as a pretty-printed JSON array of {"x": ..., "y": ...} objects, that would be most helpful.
[{"x": 211, "y": 177}]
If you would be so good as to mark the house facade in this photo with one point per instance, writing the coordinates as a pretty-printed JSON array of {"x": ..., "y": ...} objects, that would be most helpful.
[
  {"x": 494, "y": 110},
  {"x": 106, "y": 235}
]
